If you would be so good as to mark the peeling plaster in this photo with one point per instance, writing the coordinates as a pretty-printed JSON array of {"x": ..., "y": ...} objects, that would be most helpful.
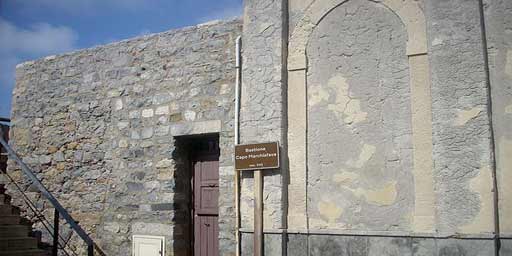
[
  {"x": 463, "y": 116},
  {"x": 345, "y": 177},
  {"x": 383, "y": 196},
  {"x": 358, "y": 120},
  {"x": 482, "y": 185},
  {"x": 345, "y": 107},
  {"x": 508, "y": 109},
  {"x": 366, "y": 153},
  {"x": 317, "y": 95},
  {"x": 329, "y": 211}
]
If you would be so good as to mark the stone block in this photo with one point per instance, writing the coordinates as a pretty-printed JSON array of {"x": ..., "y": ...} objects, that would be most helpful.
[
  {"x": 118, "y": 105},
  {"x": 189, "y": 115},
  {"x": 297, "y": 245},
  {"x": 147, "y": 228},
  {"x": 134, "y": 114},
  {"x": 162, "y": 130},
  {"x": 147, "y": 133},
  {"x": 191, "y": 128},
  {"x": 163, "y": 207},
  {"x": 162, "y": 110},
  {"x": 176, "y": 117},
  {"x": 424, "y": 247},
  {"x": 134, "y": 186},
  {"x": 146, "y": 113},
  {"x": 465, "y": 247},
  {"x": 333, "y": 245},
  {"x": 506, "y": 247},
  {"x": 122, "y": 125},
  {"x": 389, "y": 246}
]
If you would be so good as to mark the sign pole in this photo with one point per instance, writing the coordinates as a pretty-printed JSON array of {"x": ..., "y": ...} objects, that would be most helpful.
[
  {"x": 257, "y": 158},
  {"x": 258, "y": 213}
]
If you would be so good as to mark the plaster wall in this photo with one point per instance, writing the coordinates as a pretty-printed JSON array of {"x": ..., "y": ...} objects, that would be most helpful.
[
  {"x": 498, "y": 23},
  {"x": 462, "y": 149},
  {"x": 359, "y": 139},
  {"x": 352, "y": 53},
  {"x": 442, "y": 126}
]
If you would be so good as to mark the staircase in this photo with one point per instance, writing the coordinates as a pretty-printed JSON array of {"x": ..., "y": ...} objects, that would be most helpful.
[{"x": 15, "y": 232}]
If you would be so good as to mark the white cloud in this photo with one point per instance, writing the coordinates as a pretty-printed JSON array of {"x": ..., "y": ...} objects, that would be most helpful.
[
  {"x": 18, "y": 44},
  {"x": 222, "y": 14},
  {"x": 40, "y": 39},
  {"x": 81, "y": 6}
]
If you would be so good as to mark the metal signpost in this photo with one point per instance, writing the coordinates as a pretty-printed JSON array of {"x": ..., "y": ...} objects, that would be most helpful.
[{"x": 257, "y": 157}]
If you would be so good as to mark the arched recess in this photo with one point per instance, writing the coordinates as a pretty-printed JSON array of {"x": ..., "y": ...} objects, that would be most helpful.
[{"x": 410, "y": 13}]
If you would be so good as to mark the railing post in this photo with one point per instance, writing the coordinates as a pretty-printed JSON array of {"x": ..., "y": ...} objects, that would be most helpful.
[
  {"x": 55, "y": 232},
  {"x": 90, "y": 249}
]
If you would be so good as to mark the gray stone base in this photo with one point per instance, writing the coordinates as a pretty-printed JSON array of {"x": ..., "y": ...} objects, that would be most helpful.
[
  {"x": 272, "y": 244},
  {"x": 506, "y": 247},
  {"x": 340, "y": 245}
]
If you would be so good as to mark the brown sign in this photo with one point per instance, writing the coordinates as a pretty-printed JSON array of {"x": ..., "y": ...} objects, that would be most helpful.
[{"x": 257, "y": 156}]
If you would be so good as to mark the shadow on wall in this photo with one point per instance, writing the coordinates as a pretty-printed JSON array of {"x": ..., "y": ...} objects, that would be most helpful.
[
  {"x": 182, "y": 219},
  {"x": 185, "y": 147}
]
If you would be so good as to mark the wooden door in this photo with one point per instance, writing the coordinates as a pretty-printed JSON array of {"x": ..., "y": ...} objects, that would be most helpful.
[{"x": 206, "y": 211}]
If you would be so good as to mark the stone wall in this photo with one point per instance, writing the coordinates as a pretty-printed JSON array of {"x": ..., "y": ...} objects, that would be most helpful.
[
  {"x": 263, "y": 110},
  {"x": 100, "y": 126}
]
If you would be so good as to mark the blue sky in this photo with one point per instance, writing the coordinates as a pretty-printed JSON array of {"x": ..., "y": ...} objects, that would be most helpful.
[{"x": 31, "y": 29}]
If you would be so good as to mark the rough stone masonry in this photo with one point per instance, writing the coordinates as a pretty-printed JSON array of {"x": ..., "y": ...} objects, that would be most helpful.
[
  {"x": 393, "y": 118},
  {"x": 99, "y": 127}
]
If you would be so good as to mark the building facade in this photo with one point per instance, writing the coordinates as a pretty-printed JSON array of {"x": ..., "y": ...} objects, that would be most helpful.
[{"x": 394, "y": 120}]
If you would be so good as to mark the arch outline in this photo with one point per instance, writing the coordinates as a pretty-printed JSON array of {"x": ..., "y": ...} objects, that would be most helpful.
[{"x": 413, "y": 18}]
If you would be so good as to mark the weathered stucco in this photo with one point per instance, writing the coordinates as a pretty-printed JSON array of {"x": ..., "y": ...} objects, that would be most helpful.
[
  {"x": 461, "y": 125},
  {"x": 411, "y": 14},
  {"x": 499, "y": 35},
  {"x": 359, "y": 109}
]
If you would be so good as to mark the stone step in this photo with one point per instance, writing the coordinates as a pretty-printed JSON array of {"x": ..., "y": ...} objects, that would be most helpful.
[
  {"x": 30, "y": 252},
  {"x": 8, "y": 231},
  {"x": 9, "y": 210},
  {"x": 18, "y": 243},
  {"x": 5, "y": 199},
  {"x": 10, "y": 220}
]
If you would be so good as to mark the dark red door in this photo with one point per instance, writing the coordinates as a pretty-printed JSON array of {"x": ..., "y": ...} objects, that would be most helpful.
[{"x": 206, "y": 211}]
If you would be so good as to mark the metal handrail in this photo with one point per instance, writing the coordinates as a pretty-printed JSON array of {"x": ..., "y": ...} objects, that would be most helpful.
[
  {"x": 58, "y": 207},
  {"x": 40, "y": 216}
]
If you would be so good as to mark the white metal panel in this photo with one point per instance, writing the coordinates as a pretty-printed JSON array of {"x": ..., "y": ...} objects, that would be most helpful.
[{"x": 148, "y": 245}]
